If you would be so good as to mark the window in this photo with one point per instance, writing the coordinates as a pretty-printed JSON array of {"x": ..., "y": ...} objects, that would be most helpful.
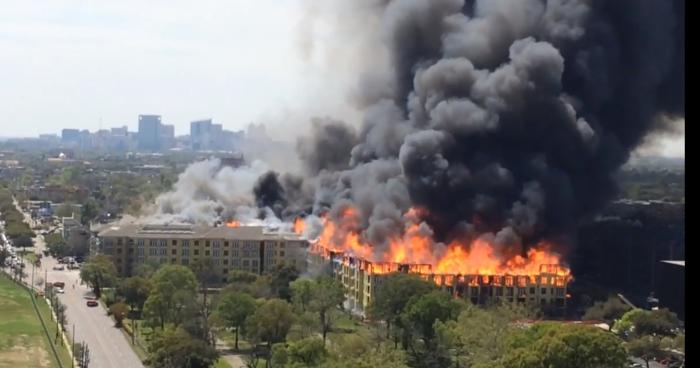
[
  {"x": 173, "y": 260},
  {"x": 217, "y": 253},
  {"x": 226, "y": 243},
  {"x": 206, "y": 252},
  {"x": 206, "y": 243},
  {"x": 152, "y": 251},
  {"x": 235, "y": 244},
  {"x": 196, "y": 252},
  {"x": 236, "y": 263},
  {"x": 185, "y": 261},
  {"x": 196, "y": 242},
  {"x": 217, "y": 243},
  {"x": 225, "y": 261},
  {"x": 186, "y": 243},
  {"x": 235, "y": 253},
  {"x": 246, "y": 263},
  {"x": 532, "y": 290},
  {"x": 119, "y": 250},
  {"x": 185, "y": 252},
  {"x": 163, "y": 251},
  {"x": 163, "y": 243},
  {"x": 281, "y": 253},
  {"x": 173, "y": 252},
  {"x": 544, "y": 291},
  {"x": 139, "y": 242},
  {"x": 120, "y": 241},
  {"x": 216, "y": 262},
  {"x": 254, "y": 263},
  {"x": 140, "y": 252},
  {"x": 225, "y": 253},
  {"x": 225, "y": 270},
  {"x": 174, "y": 242}
]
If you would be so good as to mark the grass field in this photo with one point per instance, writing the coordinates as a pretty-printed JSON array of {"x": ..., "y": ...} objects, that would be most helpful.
[{"x": 23, "y": 342}]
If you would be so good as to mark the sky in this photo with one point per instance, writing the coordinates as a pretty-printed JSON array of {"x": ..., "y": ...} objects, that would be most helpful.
[{"x": 99, "y": 64}]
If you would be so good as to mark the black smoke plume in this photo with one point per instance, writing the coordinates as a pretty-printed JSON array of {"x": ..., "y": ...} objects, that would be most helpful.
[{"x": 504, "y": 117}]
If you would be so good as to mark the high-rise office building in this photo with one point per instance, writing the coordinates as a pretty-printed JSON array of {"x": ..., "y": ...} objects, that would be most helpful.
[
  {"x": 167, "y": 136},
  {"x": 149, "y": 132},
  {"x": 70, "y": 135},
  {"x": 201, "y": 135}
]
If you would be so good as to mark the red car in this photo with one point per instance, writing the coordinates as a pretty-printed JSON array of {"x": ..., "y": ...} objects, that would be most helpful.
[{"x": 92, "y": 303}]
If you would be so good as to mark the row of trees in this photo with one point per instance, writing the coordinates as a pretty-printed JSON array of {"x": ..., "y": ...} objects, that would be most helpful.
[
  {"x": 648, "y": 334},
  {"x": 294, "y": 322},
  {"x": 15, "y": 228}
]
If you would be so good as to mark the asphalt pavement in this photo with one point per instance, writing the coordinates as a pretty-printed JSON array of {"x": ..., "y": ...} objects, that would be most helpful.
[{"x": 108, "y": 345}]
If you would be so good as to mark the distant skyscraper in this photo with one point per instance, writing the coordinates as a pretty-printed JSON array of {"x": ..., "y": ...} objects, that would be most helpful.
[
  {"x": 149, "y": 132},
  {"x": 70, "y": 135},
  {"x": 167, "y": 136},
  {"x": 200, "y": 134}
]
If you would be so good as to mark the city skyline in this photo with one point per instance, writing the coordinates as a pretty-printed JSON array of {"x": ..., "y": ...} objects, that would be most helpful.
[{"x": 91, "y": 66}]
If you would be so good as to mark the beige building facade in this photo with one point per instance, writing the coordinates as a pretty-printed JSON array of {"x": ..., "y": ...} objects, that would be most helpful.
[{"x": 250, "y": 249}]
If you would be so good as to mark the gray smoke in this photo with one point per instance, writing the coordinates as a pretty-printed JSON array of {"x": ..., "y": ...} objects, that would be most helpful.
[
  {"x": 496, "y": 118},
  {"x": 502, "y": 117}
]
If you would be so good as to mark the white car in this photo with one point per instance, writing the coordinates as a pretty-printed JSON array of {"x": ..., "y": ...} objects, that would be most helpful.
[
  {"x": 58, "y": 268},
  {"x": 60, "y": 291}
]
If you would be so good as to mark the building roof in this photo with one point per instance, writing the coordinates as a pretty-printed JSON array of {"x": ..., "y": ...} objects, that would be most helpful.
[
  {"x": 677, "y": 263},
  {"x": 158, "y": 231}
]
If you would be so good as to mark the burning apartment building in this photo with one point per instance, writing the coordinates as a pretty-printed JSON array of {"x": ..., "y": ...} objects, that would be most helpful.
[{"x": 490, "y": 130}]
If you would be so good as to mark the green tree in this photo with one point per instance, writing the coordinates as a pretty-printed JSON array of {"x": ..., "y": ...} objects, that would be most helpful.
[
  {"x": 23, "y": 241},
  {"x": 280, "y": 277},
  {"x": 326, "y": 295},
  {"x": 57, "y": 246},
  {"x": 174, "y": 347},
  {"x": 608, "y": 311},
  {"x": 173, "y": 296},
  {"x": 639, "y": 322},
  {"x": 309, "y": 352},
  {"x": 479, "y": 335},
  {"x": 147, "y": 269},
  {"x": 206, "y": 277},
  {"x": 302, "y": 293},
  {"x": 564, "y": 345},
  {"x": 89, "y": 210},
  {"x": 271, "y": 322},
  {"x": 419, "y": 318},
  {"x": 135, "y": 291},
  {"x": 233, "y": 309},
  {"x": 357, "y": 351},
  {"x": 647, "y": 348},
  {"x": 119, "y": 311},
  {"x": 98, "y": 272},
  {"x": 392, "y": 296}
]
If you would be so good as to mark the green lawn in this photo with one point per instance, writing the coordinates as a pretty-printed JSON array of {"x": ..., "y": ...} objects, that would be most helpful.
[{"x": 23, "y": 342}]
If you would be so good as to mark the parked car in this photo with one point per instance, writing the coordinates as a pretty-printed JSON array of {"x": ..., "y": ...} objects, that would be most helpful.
[
  {"x": 58, "y": 268},
  {"x": 59, "y": 284},
  {"x": 60, "y": 291},
  {"x": 92, "y": 303}
]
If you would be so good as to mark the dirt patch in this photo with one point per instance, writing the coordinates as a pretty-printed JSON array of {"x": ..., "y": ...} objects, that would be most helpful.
[{"x": 21, "y": 356}]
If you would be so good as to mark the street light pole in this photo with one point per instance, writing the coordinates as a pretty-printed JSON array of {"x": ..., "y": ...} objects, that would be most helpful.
[{"x": 73, "y": 347}]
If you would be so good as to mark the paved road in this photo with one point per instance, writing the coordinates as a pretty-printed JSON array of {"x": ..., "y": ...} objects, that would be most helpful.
[{"x": 108, "y": 345}]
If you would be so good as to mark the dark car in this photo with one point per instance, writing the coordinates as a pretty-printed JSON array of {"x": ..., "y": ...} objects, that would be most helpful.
[{"x": 92, "y": 303}]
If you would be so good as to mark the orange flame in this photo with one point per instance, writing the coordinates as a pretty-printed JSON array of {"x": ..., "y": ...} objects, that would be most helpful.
[
  {"x": 299, "y": 225},
  {"x": 233, "y": 223},
  {"x": 417, "y": 249}
]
